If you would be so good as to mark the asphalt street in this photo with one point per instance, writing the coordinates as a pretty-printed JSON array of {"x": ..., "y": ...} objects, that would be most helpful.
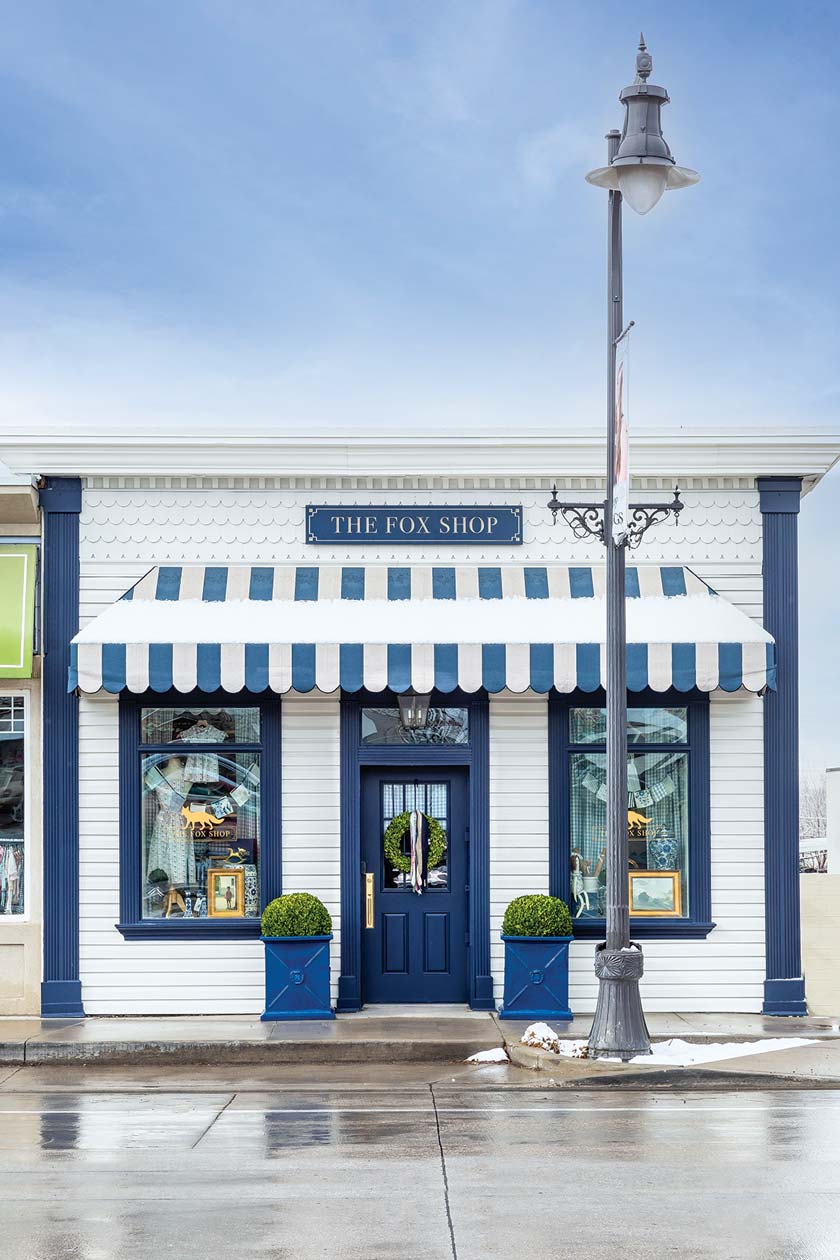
[{"x": 424, "y": 1161}]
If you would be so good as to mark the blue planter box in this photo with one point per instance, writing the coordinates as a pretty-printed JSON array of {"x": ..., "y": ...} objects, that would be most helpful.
[
  {"x": 536, "y": 977},
  {"x": 297, "y": 977}
]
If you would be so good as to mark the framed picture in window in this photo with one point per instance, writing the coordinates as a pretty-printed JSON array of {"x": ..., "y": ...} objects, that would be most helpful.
[
  {"x": 655, "y": 894},
  {"x": 225, "y": 893}
]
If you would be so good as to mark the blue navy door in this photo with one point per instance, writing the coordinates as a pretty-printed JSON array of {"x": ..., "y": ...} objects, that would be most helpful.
[{"x": 414, "y": 946}]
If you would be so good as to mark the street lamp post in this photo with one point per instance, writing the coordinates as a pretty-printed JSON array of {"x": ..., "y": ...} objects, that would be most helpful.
[{"x": 640, "y": 168}]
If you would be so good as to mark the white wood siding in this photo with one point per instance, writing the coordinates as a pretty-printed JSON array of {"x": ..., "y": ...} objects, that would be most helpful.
[
  {"x": 723, "y": 973},
  {"x": 127, "y": 526},
  {"x": 311, "y": 844},
  {"x": 518, "y": 811},
  {"x": 122, "y": 977}
]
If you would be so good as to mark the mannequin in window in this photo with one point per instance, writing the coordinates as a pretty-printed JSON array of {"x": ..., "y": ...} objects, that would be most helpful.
[
  {"x": 171, "y": 847},
  {"x": 202, "y": 767}
]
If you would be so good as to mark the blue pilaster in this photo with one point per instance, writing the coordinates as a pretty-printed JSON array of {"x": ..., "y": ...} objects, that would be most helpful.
[
  {"x": 61, "y": 990},
  {"x": 784, "y": 987}
]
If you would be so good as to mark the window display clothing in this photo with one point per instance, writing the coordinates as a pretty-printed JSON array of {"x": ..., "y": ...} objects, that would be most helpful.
[
  {"x": 202, "y": 767},
  {"x": 171, "y": 847},
  {"x": 11, "y": 879}
]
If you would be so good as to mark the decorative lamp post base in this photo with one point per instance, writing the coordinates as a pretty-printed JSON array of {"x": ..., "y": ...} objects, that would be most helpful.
[{"x": 619, "y": 1028}]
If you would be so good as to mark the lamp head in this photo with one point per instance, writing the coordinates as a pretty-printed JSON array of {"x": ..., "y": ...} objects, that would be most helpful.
[{"x": 643, "y": 166}]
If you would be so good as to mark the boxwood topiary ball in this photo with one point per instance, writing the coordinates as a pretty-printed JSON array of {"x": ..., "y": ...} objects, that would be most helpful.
[
  {"x": 537, "y": 915},
  {"x": 296, "y": 914}
]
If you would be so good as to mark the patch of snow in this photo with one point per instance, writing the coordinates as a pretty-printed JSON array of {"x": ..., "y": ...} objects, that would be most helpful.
[
  {"x": 650, "y": 619},
  {"x": 672, "y": 1053},
  {"x": 496, "y": 1055},
  {"x": 543, "y": 1037}
]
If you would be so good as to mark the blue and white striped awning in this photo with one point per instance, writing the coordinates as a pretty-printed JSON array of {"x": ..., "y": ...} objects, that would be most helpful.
[{"x": 298, "y": 628}]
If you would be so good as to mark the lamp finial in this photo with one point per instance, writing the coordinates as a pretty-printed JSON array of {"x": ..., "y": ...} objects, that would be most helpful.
[{"x": 644, "y": 61}]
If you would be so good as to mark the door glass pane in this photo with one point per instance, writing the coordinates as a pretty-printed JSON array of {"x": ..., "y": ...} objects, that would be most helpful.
[
  {"x": 200, "y": 850},
  {"x": 200, "y": 726},
  {"x": 443, "y": 726},
  {"x": 398, "y": 801},
  {"x": 657, "y": 832}
]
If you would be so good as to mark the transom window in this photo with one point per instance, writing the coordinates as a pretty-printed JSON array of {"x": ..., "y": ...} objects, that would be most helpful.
[{"x": 443, "y": 725}]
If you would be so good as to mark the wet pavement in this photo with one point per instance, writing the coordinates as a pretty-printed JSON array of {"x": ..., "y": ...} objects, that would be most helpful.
[{"x": 407, "y": 1162}]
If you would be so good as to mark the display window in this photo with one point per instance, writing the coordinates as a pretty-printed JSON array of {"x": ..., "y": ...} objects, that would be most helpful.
[
  {"x": 667, "y": 831},
  {"x": 12, "y": 805},
  {"x": 200, "y": 812}
]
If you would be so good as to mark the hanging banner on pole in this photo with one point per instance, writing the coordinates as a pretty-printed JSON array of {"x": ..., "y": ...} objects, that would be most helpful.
[{"x": 621, "y": 453}]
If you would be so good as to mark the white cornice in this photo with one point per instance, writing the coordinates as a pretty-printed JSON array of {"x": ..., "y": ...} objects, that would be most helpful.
[{"x": 670, "y": 453}]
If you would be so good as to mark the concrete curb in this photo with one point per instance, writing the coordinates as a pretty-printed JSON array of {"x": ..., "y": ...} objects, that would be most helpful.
[
  {"x": 586, "y": 1074},
  {"x": 36, "y": 1053}
]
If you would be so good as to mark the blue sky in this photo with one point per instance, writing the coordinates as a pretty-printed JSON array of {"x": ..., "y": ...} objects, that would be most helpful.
[{"x": 364, "y": 213}]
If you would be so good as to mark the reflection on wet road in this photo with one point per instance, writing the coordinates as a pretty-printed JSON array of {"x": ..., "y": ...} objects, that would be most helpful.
[{"x": 137, "y": 1171}]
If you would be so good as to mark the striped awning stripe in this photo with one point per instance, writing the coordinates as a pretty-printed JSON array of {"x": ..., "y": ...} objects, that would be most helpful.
[{"x": 298, "y": 628}]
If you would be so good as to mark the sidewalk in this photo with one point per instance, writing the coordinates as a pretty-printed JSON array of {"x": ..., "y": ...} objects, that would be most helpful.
[{"x": 380, "y": 1035}]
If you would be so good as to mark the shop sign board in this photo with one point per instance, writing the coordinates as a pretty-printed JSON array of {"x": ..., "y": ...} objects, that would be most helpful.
[
  {"x": 463, "y": 525},
  {"x": 17, "y": 609}
]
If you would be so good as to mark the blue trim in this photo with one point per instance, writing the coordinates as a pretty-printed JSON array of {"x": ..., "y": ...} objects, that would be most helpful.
[
  {"x": 399, "y": 665},
  {"x": 256, "y": 666},
  {"x": 446, "y": 666},
  {"x": 303, "y": 666},
  {"x": 542, "y": 667},
  {"x": 132, "y": 925},
  {"x": 306, "y": 583},
  {"x": 351, "y": 666},
  {"x": 673, "y": 580},
  {"x": 580, "y": 584},
  {"x": 160, "y": 666},
  {"x": 208, "y": 662},
  {"x": 443, "y": 583},
  {"x": 261, "y": 584},
  {"x": 350, "y": 977},
  {"x": 61, "y": 494},
  {"x": 700, "y": 923},
  {"x": 215, "y": 584},
  {"x": 785, "y": 997},
  {"x": 113, "y": 666},
  {"x": 493, "y": 666},
  {"x": 352, "y": 583},
  {"x": 168, "y": 583},
  {"x": 730, "y": 666},
  {"x": 399, "y": 583},
  {"x": 784, "y": 987},
  {"x": 684, "y": 666},
  {"x": 477, "y": 757},
  {"x": 536, "y": 583},
  {"x": 631, "y": 584},
  {"x": 637, "y": 666},
  {"x": 61, "y": 990},
  {"x": 588, "y": 664},
  {"x": 490, "y": 583}
]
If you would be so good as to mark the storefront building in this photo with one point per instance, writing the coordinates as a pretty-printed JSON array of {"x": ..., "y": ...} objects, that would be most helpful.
[
  {"x": 254, "y": 672},
  {"x": 20, "y": 750}
]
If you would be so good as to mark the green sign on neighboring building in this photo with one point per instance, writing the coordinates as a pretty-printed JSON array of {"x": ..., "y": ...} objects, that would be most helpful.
[{"x": 17, "y": 609}]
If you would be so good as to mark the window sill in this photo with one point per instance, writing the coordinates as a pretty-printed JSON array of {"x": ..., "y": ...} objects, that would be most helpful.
[
  {"x": 646, "y": 929},
  {"x": 190, "y": 929}
]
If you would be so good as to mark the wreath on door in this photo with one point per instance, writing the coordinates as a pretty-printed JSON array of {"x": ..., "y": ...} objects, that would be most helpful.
[{"x": 394, "y": 834}]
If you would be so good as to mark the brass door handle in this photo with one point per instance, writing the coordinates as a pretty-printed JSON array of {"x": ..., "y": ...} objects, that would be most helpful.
[{"x": 369, "y": 900}]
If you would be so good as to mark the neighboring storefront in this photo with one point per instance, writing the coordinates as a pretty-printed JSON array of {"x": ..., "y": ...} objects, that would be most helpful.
[
  {"x": 20, "y": 751},
  {"x": 277, "y": 662}
]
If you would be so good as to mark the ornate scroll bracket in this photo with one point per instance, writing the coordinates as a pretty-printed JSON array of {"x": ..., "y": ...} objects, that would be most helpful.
[{"x": 586, "y": 520}]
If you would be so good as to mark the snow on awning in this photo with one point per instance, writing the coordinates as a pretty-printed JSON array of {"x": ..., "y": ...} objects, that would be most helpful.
[{"x": 425, "y": 627}]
